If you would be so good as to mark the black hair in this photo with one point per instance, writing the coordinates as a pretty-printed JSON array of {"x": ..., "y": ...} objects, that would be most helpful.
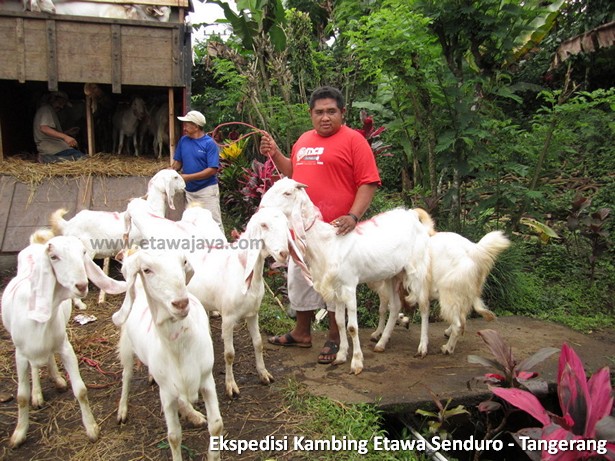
[{"x": 327, "y": 92}]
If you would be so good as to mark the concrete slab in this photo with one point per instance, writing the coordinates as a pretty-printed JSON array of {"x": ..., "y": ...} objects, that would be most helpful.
[{"x": 398, "y": 382}]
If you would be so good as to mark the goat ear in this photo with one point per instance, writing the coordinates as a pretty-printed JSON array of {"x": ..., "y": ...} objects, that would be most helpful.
[
  {"x": 121, "y": 316},
  {"x": 189, "y": 270},
  {"x": 296, "y": 223},
  {"x": 248, "y": 272},
  {"x": 130, "y": 268},
  {"x": 252, "y": 234},
  {"x": 297, "y": 258},
  {"x": 43, "y": 284},
  {"x": 170, "y": 192},
  {"x": 100, "y": 279}
]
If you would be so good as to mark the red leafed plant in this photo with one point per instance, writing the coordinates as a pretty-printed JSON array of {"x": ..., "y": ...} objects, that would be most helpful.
[
  {"x": 372, "y": 135},
  {"x": 258, "y": 179},
  {"x": 510, "y": 372},
  {"x": 586, "y": 407}
]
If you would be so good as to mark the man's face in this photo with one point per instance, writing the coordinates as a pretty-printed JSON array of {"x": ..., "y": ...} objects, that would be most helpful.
[
  {"x": 58, "y": 103},
  {"x": 190, "y": 129},
  {"x": 326, "y": 117}
]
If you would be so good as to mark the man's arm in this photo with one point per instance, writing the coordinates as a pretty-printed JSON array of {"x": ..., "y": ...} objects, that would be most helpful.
[
  {"x": 53, "y": 133},
  {"x": 203, "y": 174},
  {"x": 362, "y": 201}
]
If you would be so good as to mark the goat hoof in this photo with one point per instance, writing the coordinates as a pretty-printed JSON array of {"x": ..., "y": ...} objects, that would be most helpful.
[
  {"x": 232, "y": 390},
  {"x": 93, "y": 433},
  {"x": 266, "y": 378},
  {"x": 378, "y": 348}
]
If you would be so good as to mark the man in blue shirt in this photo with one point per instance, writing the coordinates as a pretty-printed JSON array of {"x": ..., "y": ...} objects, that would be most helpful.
[{"x": 198, "y": 157}]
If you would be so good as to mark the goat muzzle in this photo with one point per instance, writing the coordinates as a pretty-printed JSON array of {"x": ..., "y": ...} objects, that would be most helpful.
[{"x": 181, "y": 306}]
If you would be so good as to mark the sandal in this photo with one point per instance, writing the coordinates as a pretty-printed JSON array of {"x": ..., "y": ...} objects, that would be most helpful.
[
  {"x": 328, "y": 352},
  {"x": 287, "y": 341}
]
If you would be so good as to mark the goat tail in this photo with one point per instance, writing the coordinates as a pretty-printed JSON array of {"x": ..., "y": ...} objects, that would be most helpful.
[
  {"x": 491, "y": 245},
  {"x": 41, "y": 236},
  {"x": 426, "y": 220},
  {"x": 480, "y": 308},
  {"x": 58, "y": 223}
]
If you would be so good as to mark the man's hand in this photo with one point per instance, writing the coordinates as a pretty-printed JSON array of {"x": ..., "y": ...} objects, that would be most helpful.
[
  {"x": 344, "y": 224},
  {"x": 268, "y": 147}
]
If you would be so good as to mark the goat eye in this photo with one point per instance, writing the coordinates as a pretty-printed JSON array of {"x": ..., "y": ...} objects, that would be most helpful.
[
  {"x": 147, "y": 271},
  {"x": 287, "y": 193},
  {"x": 53, "y": 257}
]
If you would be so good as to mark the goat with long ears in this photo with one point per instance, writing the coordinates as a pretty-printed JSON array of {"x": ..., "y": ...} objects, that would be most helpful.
[
  {"x": 391, "y": 247},
  {"x": 230, "y": 280},
  {"x": 168, "y": 329},
  {"x": 50, "y": 271}
]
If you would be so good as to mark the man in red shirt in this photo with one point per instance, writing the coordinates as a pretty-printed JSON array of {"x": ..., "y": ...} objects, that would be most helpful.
[{"x": 338, "y": 166}]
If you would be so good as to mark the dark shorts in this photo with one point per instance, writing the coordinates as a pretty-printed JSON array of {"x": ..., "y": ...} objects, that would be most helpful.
[{"x": 63, "y": 156}]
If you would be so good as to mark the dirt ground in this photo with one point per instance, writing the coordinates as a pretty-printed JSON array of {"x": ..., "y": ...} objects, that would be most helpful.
[
  {"x": 395, "y": 379},
  {"x": 56, "y": 431}
]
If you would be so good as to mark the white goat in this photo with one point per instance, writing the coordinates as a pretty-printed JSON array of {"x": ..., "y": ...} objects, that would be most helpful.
[
  {"x": 126, "y": 123},
  {"x": 459, "y": 269},
  {"x": 100, "y": 10},
  {"x": 230, "y": 280},
  {"x": 168, "y": 329},
  {"x": 35, "y": 310},
  {"x": 196, "y": 232},
  {"x": 390, "y": 247},
  {"x": 102, "y": 231}
]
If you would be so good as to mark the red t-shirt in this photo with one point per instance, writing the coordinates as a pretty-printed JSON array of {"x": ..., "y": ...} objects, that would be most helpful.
[{"x": 333, "y": 168}]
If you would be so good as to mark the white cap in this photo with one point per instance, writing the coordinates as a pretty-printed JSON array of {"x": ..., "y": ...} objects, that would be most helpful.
[{"x": 195, "y": 117}]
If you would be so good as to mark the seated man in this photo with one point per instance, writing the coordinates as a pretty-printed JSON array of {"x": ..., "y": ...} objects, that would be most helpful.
[{"x": 53, "y": 144}]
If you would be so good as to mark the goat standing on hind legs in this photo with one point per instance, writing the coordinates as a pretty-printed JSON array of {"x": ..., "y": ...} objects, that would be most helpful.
[{"x": 36, "y": 307}]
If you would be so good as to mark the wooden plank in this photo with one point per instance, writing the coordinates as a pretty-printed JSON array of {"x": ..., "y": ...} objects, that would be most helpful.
[
  {"x": 172, "y": 134},
  {"x": 21, "y": 50},
  {"x": 177, "y": 56},
  {"x": 89, "y": 121},
  {"x": 84, "y": 52},
  {"x": 116, "y": 59},
  {"x": 78, "y": 49},
  {"x": 52, "y": 56},
  {"x": 156, "y": 57},
  {"x": 36, "y": 50},
  {"x": 7, "y": 188},
  {"x": 113, "y": 193},
  {"x": 8, "y": 50}
]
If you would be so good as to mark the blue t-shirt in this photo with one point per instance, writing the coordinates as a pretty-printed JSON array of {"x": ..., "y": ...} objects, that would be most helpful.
[{"x": 196, "y": 155}]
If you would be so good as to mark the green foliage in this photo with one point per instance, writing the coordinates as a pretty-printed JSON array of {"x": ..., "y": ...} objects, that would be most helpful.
[
  {"x": 325, "y": 418},
  {"x": 438, "y": 421},
  {"x": 479, "y": 139}
]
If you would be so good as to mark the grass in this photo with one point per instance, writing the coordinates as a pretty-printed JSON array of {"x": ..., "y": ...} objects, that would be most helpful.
[{"x": 326, "y": 418}]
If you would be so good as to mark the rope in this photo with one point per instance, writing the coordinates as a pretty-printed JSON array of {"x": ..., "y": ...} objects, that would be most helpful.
[{"x": 254, "y": 131}]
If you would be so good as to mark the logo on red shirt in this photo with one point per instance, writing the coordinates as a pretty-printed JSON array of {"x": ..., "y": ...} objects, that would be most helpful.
[{"x": 310, "y": 154}]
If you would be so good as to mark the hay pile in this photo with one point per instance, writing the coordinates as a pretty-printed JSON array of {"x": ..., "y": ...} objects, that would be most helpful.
[{"x": 100, "y": 164}]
